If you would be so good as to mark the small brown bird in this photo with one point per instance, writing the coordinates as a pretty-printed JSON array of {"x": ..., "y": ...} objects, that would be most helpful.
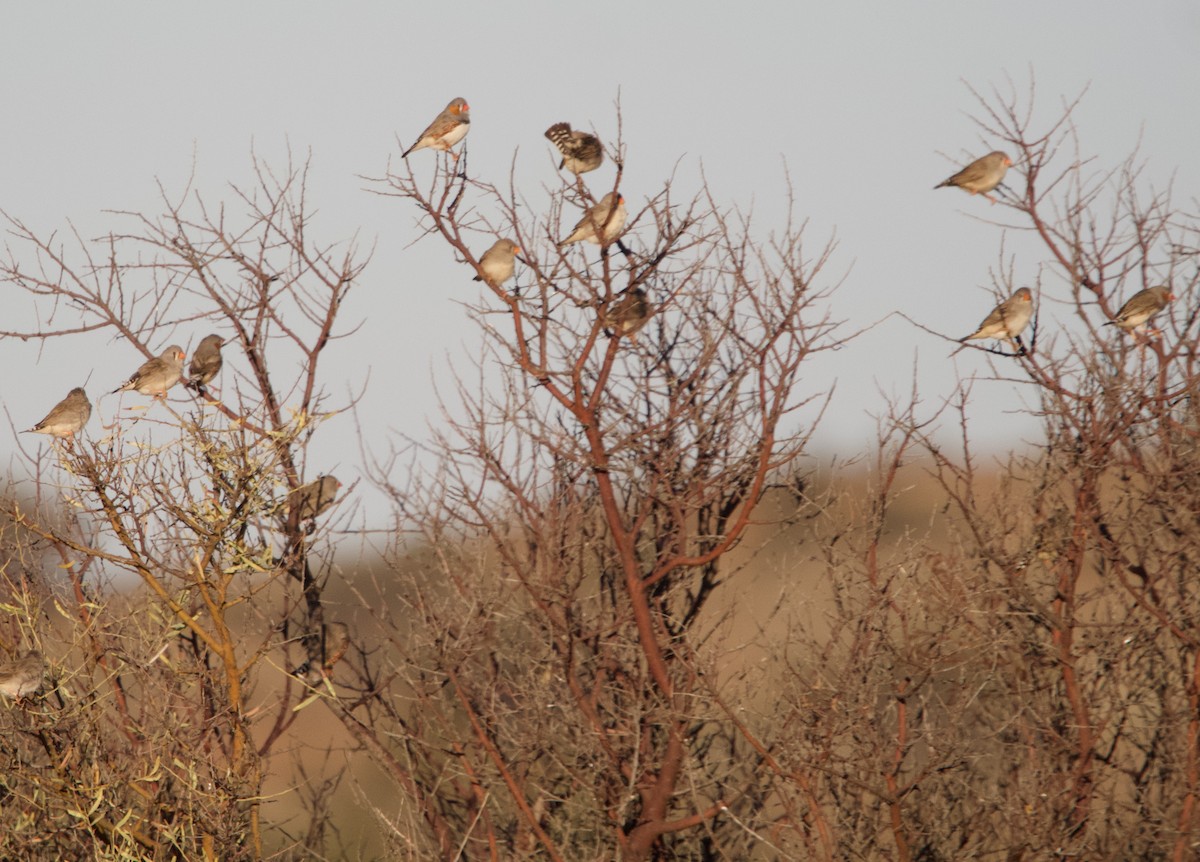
[
  {"x": 1008, "y": 319},
  {"x": 157, "y": 375},
  {"x": 601, "y": 223},
  {"x": 450, "y": 127},
  {"x": 981, "y": 176},
  {"x": 628, "y": 314},
  {"x": 67, "y": 417},
  {"x": 498, "y": 262},
  {"x": 314, "y": 498},
  {"x": 206, "y": 361},
  {"x": 1142, "y": 306},
  {"x": 581, "y": 152},
  {"x": 22, "y": 676}
]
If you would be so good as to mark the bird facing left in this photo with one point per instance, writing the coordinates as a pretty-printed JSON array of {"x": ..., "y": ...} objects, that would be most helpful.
[{"x": 22, "y": 676}]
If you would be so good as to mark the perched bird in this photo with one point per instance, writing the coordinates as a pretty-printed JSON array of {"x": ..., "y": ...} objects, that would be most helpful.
[
  {"x": 67, "y": 417},
  {"x": 981, "y": 176},
  {"x": 206, "y": 361},
  {"x": 156, "y": 375},
  {"x": 1142, "y": 306},
  {"x": 601, "y": 223},
  {"x": 335, "y": 643},
  {"x": 23, "y": 675},
  {"x": 497, "y": 262},
  {"x": 450, "y": 127},
  {"x": 581, "y": 152},
  {"x": 314, "y": 498},
  {"x": 1008, "y": 319},
  {"x": 628, "y": 314}
]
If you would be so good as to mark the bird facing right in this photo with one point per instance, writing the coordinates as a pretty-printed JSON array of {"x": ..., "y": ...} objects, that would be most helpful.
[
  {"x": 1008, "y": 319},
  {"x": 67, "y": 417},
  {"x": 498, "y": 262},
  {"x": 581, "y": 152},
  {"x": 601, "y": 223},
  {"x": 447, "y": 129},
  {"x": 157, "y": 375},
  {"x": 981, "y": 176},
  {"x": 206, "y": 361},
  {"x": 314, "y": 498},
  {"x": 22, "y": 676},
  {"x": 1142, "y": 306}
]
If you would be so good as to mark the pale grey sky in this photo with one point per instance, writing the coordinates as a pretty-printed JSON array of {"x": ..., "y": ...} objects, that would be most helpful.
[{"x": 862, "y": 101}]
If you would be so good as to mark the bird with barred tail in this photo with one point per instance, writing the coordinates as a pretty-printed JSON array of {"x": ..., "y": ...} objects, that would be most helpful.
[
  {"x": 67, "y": 417},
  {"x": 335, "y": 639},
  {"x": 206, "y": 361},
  {"x": 628, "y": 314},
  {"x": 450, "y": 127},
  {"x": 581, "y": 152},
  {"x": 981, "y": 176},
  {"x": 601, "y": 223},
  {"x": 1008, "y": 319},
  {"x": 498, "y": 262},
  {"x": 1142, "y": 306},
  {"x": 23, "y": 675},
  {"x": 157, "y": 375}
]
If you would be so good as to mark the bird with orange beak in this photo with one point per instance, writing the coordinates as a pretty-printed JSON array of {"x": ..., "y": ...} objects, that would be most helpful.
[
  {"x": 981, "y": 176},
  {"x": 450, "y": 127}
]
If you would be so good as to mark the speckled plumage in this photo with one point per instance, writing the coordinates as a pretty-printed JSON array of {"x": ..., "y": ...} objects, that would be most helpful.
[{"x": 581, "y": 151}]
